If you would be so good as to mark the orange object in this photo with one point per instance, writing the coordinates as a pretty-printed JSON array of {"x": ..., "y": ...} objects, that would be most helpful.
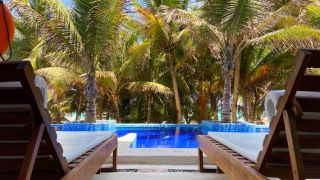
[{"x": 6, "y": 28}]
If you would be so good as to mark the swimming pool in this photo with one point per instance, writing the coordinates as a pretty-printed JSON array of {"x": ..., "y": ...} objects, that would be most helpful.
[{"x": 162, "y": 136}]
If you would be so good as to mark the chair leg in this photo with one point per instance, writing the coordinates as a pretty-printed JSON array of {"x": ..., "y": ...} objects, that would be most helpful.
[
  {"x": 219, "y": 171},
  {"x": 114, "y": 160},
  {"x": 293, "y": 146},
  {"x": 200, "y": 160}
]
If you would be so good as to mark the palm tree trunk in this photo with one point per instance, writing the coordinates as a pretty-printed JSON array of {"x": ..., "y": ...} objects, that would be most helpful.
[
  {"x": 235, "y": 95},
  {"x": 116, "y": 104},
  {"x": 246, "y": 109},
  {"x": 79, "y": 105},
  {"x": 91, "y": 95},
  {"x": 250, "y": 110},
  {"x": 202, "y": 101},
  {"x": 214, "y": 106},
  {"x": 139, "y": 114},
  {"x": 186, "y": 116},
  {"x": 175, "y": 88},
  {"x": 100, "y": 108},
  {"x": 227, "y": 89},
  {"x": 149, "y": 115}
]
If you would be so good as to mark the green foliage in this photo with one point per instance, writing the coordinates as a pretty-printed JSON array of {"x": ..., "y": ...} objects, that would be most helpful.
[
  {"x": 291, "y": 38},
  {"x": 133, "y": 57},
  {"x": 313, "y": 15}
]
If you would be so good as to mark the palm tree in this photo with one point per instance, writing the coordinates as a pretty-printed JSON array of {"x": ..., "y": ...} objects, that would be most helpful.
[
  {"x": 143, "y": 73},
  {"x": 60, "y": 82},
  {"x": 261, "y": 70},
  {"x": 164, "y": 38},
  {"x": 205, "y": 67},
  {"x": 150, "y": 89},
  {"x": 112, "y": 84},
  {"x": 82, "y": 38},
  {"x": 231, "y": 26}
]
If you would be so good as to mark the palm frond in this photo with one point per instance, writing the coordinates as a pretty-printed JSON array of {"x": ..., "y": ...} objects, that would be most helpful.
[
  {"x": 239, "y": 15},
  {"x": 180, "y": 16},
  {"x": 270, "y": 21},
  {"x": 156, "y": 27},
  {"x": 149, "y": 87},
  {"x": 290, "y": 38},
  {"x": 138, "y": 56},
  {"x": 23, "y": 9},
  {"x": 54, "y": 33},
  {"x": 58, "y": 77},
  {"x": 62, "y": 14},
  {"x": 98, "y": 22},
  {"x": 34, "y": 55},
  {"x": 155, "y": 4},
  {"x": 140, "y": 52},
  {"x": 214, "y": 11},
  {"x": 107, "y": 80},
  {"x": 260, "y": 73},
  {"x": 313, "y": 15}
]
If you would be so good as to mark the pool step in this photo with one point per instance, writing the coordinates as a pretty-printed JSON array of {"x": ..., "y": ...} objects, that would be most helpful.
[{"x": 154, "y": 156}]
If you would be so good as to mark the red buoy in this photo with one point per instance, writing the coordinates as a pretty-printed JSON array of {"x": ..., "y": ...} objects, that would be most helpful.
[{"x": 6, "y": 28}]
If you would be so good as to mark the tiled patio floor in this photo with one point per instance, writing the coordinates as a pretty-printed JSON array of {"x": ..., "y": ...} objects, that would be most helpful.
[{"x": 159, "y": 176}]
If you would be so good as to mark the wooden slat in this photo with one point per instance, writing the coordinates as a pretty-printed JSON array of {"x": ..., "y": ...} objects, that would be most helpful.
[
  {"x": 313, "y": 59},
  {"x": 306, "y": 141},
  {"x": 309, "y": 104},
  {"x": 14, "y": 165},
  {"x": 8, "y": 72},
  {"x": 310, "y": 83},
  {"x": 283, "y": 158},
  {"x": 15, "y": 108},
  {"x": 13, "y": 118},
  {"x": 37, "y": 175},
  {"x": 14, "y": 133},
  {"x": 13, "y": 96},
  {"x": 18, "y": 148},
  {"x": 308, "y": 125}
]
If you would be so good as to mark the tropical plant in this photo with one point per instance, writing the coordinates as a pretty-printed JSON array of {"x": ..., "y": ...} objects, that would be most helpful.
[
  {"x": 98, "y": 60},
  {"x": 61, "y": 82},
  {"x": 164, "y": 38},
  {"x": 231, "y": 26},
  {"x": 261, "y": 70},
  {"x": 150, "y": 89},
  {"x": 83, "y": 38}
]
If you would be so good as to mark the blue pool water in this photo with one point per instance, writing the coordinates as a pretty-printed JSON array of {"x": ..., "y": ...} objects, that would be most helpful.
[{"x": 163, "y": 135}]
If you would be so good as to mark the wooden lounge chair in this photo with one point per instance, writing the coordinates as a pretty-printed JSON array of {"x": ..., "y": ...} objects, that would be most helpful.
[
  {"x": 292, "y": 148},
  {"x": 28, "y": 144}
]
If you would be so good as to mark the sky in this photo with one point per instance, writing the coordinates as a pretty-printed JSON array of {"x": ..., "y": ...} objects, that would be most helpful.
[{"x": 67, "y": 2}]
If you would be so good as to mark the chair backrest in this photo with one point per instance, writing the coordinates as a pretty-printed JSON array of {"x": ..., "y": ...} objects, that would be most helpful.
[
  {"x": 28, "y": 146},
  {"x": 292, "y": 148}
]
